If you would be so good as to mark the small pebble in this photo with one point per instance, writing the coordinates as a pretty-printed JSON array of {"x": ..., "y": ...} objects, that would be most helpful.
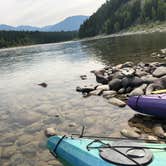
[
  {"x": 44, "y": 85},
  {"x": 50, "y": 132}
]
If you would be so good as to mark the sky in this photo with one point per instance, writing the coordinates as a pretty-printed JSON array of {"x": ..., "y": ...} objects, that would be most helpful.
[{"x": 44, "y": 12}]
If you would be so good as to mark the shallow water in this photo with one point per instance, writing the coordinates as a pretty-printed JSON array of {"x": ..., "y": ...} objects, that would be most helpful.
[{"x": 27, "y": 109}]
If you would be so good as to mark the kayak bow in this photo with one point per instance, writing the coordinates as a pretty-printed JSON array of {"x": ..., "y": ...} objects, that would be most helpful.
[{"x": 87, "y": 152}]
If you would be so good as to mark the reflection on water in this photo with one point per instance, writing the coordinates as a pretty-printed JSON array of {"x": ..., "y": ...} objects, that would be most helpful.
[
  {"x": 27, "y": 109},
  {"x": 127, "y": 48}
]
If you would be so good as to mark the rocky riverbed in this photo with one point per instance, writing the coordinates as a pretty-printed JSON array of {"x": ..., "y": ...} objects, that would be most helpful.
[{"x": 116, "y": 83}]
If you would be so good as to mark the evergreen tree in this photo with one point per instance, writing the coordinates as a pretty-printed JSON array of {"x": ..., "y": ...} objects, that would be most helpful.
[{"x": 116, "y": 15}]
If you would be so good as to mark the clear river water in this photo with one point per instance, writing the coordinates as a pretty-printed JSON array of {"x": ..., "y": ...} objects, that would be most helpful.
[{"x": 26, "y": 109}]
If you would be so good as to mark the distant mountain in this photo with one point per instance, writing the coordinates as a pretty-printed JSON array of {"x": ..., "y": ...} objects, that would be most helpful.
[
  {"x": 26, "y": 28},
  {"x": 6, "y": 27},
  {"x": 69, "y": 24}
]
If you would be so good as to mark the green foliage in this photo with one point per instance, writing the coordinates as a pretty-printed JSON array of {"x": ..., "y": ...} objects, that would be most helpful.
[
  {"x": 15, "y": 38},
  {"x": 116, "y": 15}
]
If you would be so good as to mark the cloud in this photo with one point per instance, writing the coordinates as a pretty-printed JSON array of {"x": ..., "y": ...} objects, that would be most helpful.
[{"x": 44, "y": 12}]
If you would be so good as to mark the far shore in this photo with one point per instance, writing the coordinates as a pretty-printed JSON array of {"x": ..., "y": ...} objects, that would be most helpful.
[{"x": 135, "y": 30}]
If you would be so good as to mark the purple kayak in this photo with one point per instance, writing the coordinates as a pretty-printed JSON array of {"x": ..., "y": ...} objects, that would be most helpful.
[{"x": 152, "y": 104}]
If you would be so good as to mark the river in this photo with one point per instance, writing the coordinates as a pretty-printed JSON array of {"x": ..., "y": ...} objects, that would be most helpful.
[{"x": 26, "y": 109}]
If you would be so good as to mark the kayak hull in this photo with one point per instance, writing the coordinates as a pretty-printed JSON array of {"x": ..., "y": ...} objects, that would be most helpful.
[
  {"x": 154, "y": 105},
  {"x": 73, "y": 152}
]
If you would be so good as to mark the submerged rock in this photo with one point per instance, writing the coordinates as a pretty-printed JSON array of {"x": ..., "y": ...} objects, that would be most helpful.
[
  {"x": 26, "y": 118},
  {"x": 24, "y": 139},
  {"x": 100, "y": 77},
  {"x": 103, "y": 87},
  {"x": 96, "y": 92},
  {"x": 44, "y": 85},
  {"x": 18, "y": 160},
  {"x": 130, "y": 133},
  {"x": 83, "y": 77},
  {"x": 109, "y": 94},
  {"x": 85, "y": 89},
  {"x": 117, "y": 102},
  {"x": 7, "y": 152},
  {"x": 158, "y": 131},
  {"x": 72, "y": 124}
]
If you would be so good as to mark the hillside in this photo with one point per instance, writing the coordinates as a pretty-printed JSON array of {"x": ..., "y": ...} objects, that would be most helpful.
[
  {"x": 69, "y": 24},
  {"x": 116, "y": 15}
]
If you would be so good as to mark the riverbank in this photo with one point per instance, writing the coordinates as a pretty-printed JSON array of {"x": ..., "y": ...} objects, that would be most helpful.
[
  {"x": 116, "y": 83},
  {"x": 23, "y": 38},
  {"x": 134, "y": 30},
  {"x": 148, "y": 28}
]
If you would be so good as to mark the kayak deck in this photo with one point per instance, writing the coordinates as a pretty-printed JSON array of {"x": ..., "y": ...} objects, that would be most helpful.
[{"x": 73, "y": 152}]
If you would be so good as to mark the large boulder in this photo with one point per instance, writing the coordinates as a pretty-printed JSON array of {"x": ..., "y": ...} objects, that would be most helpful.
[
  {"x": 157, "y": 85},
  {"x": 163, "y": 51},
  {"x": 101, "y": 79},
  {"x": 141, "y": 64},
  {"x": 118, "y": 75},
  {"x": 140, "y": 72},
  {"x": 128, "y": 72},
  {"x": 100, "y": 76},
  {"x": 163, "y": 81},
  {"x": 132, "y": 82},
  {"x": 159, "y": 72},
  {"x": 128, "y": 64},
  {"x": 115, "y": 84},
  {"x": 149, "y": 78},
  {"x": 138, "y": 91}
]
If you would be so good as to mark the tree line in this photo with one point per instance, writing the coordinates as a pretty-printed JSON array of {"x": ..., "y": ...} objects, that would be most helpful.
[
  {"x": 116, "y": 15},
  {"x": 15, "y": 38}
]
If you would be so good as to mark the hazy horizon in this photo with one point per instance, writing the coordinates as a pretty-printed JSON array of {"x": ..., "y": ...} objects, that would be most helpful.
[{"x": 44, "y": 12}]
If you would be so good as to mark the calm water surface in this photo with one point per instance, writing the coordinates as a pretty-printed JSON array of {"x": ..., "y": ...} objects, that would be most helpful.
[{"x": 27, "y": 109}]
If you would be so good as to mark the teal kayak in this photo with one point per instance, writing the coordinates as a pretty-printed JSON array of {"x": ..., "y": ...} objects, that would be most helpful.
[{"x": 87, "y": 152}]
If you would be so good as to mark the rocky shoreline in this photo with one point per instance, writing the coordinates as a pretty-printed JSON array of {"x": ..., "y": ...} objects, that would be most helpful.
[{"x": 117, "y": 83}]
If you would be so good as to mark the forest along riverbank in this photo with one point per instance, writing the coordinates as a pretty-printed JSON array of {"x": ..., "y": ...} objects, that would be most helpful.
[{"x": 117, "y": 83}]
